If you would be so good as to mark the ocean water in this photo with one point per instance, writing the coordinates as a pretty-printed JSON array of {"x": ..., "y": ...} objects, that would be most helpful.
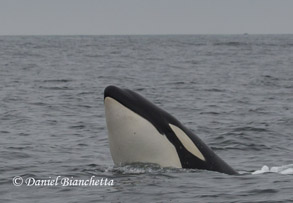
[{"x": 235, "y": 92}]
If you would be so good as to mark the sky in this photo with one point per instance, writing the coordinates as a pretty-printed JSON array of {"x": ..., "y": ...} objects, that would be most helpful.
[{"x": 124, "y": 17}]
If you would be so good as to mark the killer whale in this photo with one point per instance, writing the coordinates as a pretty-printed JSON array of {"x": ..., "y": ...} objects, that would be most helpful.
[{"x": 140, "y": 131}]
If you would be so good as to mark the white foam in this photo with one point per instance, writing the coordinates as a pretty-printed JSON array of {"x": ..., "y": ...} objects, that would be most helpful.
[{"x": 286, "y": 169}]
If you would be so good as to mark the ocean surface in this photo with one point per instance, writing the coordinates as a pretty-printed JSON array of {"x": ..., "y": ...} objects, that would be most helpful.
[{"x": 235, "y": 92}]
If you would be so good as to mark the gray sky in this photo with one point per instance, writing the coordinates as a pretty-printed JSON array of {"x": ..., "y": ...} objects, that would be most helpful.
[{"x": 31, "y": 17}]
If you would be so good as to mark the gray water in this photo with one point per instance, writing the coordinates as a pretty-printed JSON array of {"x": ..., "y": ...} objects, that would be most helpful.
[{"x": 234, "y": 91}]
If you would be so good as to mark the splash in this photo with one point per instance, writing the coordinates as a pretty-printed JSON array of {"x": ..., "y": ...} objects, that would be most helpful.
[
  {"x": 286, "y": 170},
  {"x": 142, "y": 168}
]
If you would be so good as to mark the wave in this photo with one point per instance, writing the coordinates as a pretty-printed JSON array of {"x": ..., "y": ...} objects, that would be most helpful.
[
  {"x": 232, "y": 43},
  {"x": 142, "y": 168},
  {"x": 285, "y": 170}
]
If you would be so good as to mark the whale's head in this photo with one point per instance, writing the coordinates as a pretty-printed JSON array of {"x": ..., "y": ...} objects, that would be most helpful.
[
  {"x": 141, "y": 132},
  {"x": 135, "y": 129}
]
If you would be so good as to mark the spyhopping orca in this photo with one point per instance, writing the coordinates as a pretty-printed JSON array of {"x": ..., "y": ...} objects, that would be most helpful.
[{"x": 141, "y": 132}]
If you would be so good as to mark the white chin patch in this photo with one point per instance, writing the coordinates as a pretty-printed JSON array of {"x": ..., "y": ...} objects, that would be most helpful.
[
  {"x": 132, "y": 138},
  {"x": 187, "y": 142}
]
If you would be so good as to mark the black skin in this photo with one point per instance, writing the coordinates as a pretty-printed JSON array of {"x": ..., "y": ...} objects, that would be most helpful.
[{"x": 161, "y": 120}]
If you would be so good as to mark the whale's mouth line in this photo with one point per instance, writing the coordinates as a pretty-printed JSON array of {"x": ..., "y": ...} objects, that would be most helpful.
[
  {"x": 123, "y": 104},
  {"x": 108, "y": 97}
]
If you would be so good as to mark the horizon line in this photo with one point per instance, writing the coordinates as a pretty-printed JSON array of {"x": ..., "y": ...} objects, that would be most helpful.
[{"x": 147, "y": 34}]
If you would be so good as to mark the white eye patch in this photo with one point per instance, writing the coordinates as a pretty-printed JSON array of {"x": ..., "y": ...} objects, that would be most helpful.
[{"x": 187, "y": 142}]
